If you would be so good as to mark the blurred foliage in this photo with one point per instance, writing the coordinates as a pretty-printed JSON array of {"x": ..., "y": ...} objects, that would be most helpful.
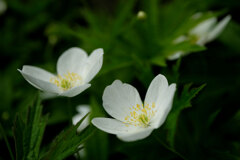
[
  {"x": 28, "y": 132},
  {"x": 180, "y": 103},
  {"x": 135, "y": 49},
  {"x": 68, "y": 142}
]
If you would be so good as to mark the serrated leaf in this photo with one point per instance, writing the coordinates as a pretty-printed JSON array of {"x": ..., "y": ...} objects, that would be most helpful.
[
  {"x": 180, "y": 103},
  {"x": 67, "y": 142},
  {"x": 28, "y": 132},
  {"x": 97, "y": 146},
  {"x": 184, "y": 101}
]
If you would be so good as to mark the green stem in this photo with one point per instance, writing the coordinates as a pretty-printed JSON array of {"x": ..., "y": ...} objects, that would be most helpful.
[
  {"x": 6, "y": 141},
  {"x": 168, "y": 147},
  {"x": 69, "y": 110}
]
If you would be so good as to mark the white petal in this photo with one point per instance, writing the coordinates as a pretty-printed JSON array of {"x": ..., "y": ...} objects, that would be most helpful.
[
  {"x": 175, "y": 55},
  {"x": 218, "y": 28},
  {"x": 84, "y": 123},
  {"x": 37, "y": 72},
  {"x": 118, "y": 98},
  {"x": 93, "y": 65},
  {"x": 75, "y": 90},
  {"x": 197, "y": 15},
  {"x": 204, "y": 27},
  {"x": 43, "y": 85},
  {"x": 157, "y": 89},
  {"x": 76, "y": 118},
  {"x": 138, "y": 135},
  {"x": 3, "y": 6},
  {"x": 81, "y": 153},
  {"x": 72, "y": 60},
  {"x": 202, "y": 40},
  {"x": 83, "y": 110},
  {"x": 113, "y": 126},
  {"x": 180, "y": 39},
  {"x": 163, "y": 107}
]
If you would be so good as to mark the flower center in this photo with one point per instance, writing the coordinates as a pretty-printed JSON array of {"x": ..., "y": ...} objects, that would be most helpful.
[
  {"x": 140, "y": 115},
  {"x": 66, "y": 81},
  {"x": 193, "y": 38},
  {"x": 143, "y": 118}
]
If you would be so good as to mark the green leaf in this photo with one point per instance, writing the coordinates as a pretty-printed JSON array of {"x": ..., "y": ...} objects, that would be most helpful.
[
  {"x": 188, "y": 93},
  {"x": 6, "y": 141},
  {"x": 232, "y": 32},
  {"x": 186, "y": 47},
  {"x": 159, "y": 61},
  {"x": 92, "y": 20},
  {"x": 97, "y": 146},
  {"x": 190, "y": 22},
  {"x": 68, "y": 142},
  {"x": 110, "y": 67},
  {"x": 151, "y": 8},
  {"x": 180, "y": 103},
  {"x": 124, "y": 12},
  {"x": 28, "y": 132}
]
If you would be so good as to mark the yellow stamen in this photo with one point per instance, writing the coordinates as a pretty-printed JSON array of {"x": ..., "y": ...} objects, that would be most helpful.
[
  {"x": 67, "y": 81},
  {"x": 140, "y": 116}
]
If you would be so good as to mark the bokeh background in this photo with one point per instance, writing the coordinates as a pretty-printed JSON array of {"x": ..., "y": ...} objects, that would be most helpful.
[{"x": 37, "y": 32}]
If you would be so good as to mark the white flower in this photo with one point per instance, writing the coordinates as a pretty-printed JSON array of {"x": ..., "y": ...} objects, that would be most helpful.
[
  {"x": 75, "y": 70},
  {"x": 203, "y": 33},
  {"x": 82, "y": 111},
  {"x": 133, "y": 119}
]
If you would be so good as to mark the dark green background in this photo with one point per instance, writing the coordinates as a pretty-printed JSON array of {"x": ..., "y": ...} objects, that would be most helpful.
[{"x": 37, "y": 32}]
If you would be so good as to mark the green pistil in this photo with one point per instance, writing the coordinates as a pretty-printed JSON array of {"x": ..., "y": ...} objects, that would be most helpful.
[
  {"x": 193, "y": 38},
  {"x": 143, "y": 119},
  {"x": 65, "y": 84}
]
